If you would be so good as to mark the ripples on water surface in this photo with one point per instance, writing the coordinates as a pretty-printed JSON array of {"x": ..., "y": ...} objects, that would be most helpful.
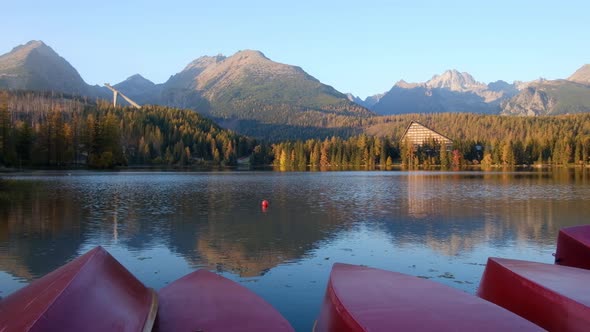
[{"x": 162, "y": 225}]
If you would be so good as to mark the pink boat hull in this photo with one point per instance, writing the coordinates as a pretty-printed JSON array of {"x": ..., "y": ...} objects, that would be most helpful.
[
  {"x": 94, "y": 292},
  {"x": 555, "y": 297},
  {"x": 366, "y": 299},
  {"x": 573, "y": 247},
  {"x": 205, "y": 301}
]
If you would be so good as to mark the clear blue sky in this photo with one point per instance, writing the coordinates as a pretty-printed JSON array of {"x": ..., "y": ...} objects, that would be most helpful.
[{"x": 362, "y": 47}]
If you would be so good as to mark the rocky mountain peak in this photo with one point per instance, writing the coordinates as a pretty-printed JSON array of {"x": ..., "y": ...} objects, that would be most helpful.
[
  {"x": 251, "y": 54},
  {"x": 204, "y": 62},
  {"x": 245, "y": 66},
  {"x": 405, "y": 85},
  {"x": 250, "y": 58},
  {"x": 581, "y": 75},
  {"x": 31, "y": 45},
  {"x": 454, "y": 81},
  {"x": 18, "y": 55},
  {"x": 36, "y": 66},
  {"x": 137, "y": 78},
  {"x": 354, "y": 99},
  {"x": 135, "y": 82},
  {"x": 138, "y": 88}
]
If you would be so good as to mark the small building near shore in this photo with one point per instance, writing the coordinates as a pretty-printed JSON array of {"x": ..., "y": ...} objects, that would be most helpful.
[{"x": 418, "y": 134}]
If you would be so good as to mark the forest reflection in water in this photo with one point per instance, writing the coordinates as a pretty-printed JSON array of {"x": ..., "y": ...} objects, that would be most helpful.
[{"x": 161, "y": 225}]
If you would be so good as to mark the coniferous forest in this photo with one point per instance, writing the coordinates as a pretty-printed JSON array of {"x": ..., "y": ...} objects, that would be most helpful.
[
  {"x": 39, "y": 129},
  {"x": 493, "y": 139},
  {"x": 54, "y": 130}
]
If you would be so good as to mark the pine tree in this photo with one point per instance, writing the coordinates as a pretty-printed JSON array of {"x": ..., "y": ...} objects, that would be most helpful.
[
  {"x": 444, "y": 158},
  {"x": 283, "y": 160},
  {"x": 24, "y": 144},
  {"x": 487, "y": 161},
  {"x": 324, "y": 160},
  {"x": 578, "y": 153},
  {"x": 7, "y": 152},
  {"x": 457, "y": 160},
  {"x": 508, "y": 153}
]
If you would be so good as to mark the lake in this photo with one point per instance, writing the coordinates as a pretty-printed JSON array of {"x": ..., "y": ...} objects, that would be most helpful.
[{"x": 162, "y": 225}]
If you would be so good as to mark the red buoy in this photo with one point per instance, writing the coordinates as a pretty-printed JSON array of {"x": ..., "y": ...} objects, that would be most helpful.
[{"x": 264, "y": 203}]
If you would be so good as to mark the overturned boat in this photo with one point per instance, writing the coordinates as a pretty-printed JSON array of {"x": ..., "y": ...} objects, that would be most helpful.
[
  {"x": 94, "y": 292},
  {"x": 573, "y": 247},
  {"x": 366, "y": 299},
  {"x": 205, "y": 301},
  {"x": 554, "y": 297}
]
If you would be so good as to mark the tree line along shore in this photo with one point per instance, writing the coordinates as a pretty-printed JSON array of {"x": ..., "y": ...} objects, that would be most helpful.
[{"x": 49, "y": 130}]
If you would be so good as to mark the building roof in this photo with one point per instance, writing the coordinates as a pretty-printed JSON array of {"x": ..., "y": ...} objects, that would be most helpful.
[{"x": 424, "y": 133}]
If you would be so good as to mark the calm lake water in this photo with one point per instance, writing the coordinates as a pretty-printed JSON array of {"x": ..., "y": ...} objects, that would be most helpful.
[{"x": 163, "y": 225}]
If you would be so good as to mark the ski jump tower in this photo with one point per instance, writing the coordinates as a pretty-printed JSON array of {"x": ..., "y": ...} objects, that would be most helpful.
[{"x": 117, "y": 93}]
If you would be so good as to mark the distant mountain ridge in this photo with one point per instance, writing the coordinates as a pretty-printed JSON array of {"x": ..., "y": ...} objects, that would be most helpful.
[
  {"x": 368, "y": 103},
  {"x": 552, "y": 97},
  {"x": 252, "y": 94},
  {"x": 246, "y": 91},
  {"x": 138, "y": 88},
  {"x": 549, "y": 97},
  {"x": 451, "y": 91},
  {"x": 454, "y": 91}
]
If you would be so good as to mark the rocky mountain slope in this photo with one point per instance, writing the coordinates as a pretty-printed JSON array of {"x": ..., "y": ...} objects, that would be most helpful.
[
  {"x": 369, "y": 102},
  {"x": 250, "y": 93},
  {"x": 581, "y": 75},
  {"x": 138, "y": 88},
  {"x": 36, "y": 66},
  {"x": 549, "y": 98},
  {"x": 246, "y": 91},
  {"x": 452, "y": 91},
  {"x": 249, "y": 85}
]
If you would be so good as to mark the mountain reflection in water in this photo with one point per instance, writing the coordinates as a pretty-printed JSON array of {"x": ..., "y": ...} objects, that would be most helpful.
[{"x": 162, "y": 225}]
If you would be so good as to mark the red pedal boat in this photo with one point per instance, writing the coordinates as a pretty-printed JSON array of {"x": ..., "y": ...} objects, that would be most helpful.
[
  {"x": 205, "y": 301},
  {"x": 573, "y": 247},
  {"x": 94, "y": 292},
  {"x": 555, "y": 297},
  {"x": 366, "y": 299}
]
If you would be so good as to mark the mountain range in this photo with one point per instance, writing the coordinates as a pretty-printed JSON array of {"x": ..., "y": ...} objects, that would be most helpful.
[
  {"x": 453, "y": 91},
  {"x": 552, "y": 97},
  {"x": 253, "y": 94}
]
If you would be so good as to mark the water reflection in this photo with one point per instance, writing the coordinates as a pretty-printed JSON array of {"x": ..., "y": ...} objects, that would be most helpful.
[
  {"x": 439, "y": 225},
  {"x": 215, "y": 220},
  {"x": 40, "y": 229},
  {"x": 459, "y": 210}
]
